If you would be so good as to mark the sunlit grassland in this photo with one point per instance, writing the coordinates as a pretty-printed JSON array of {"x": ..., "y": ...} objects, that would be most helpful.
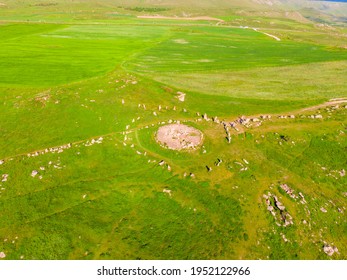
[
  {"x": 70, "y": 84},
  {"x": 323, "y": 80},
  {"x": 45, "y": 57},
  {"x": 212, "y": 48}
]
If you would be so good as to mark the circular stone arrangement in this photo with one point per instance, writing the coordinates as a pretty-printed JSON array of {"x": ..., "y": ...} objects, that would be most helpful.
[{"x": 179, "y": 136}]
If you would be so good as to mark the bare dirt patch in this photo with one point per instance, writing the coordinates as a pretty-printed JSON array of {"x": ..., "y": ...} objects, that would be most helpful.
[
  {"x": 205, "y": 60},
  {"x": 181, "y": 41},
  {"x": 179, "y": 137}
]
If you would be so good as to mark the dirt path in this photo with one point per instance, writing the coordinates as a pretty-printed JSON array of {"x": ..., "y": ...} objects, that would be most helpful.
[
  {"x": 331, "y": 102},
  {"x": 267, "y": 34}
]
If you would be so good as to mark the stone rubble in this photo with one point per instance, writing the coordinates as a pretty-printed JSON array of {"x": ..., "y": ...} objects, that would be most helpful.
[
  {"x": 330, "y": 250},
  {"x": 288, "y": 191},
  {"x": 277, "y": 210},
  {"x": 181, "y": 96},
  {"x": 226, "y": 128},
  {"x": 218, "y": 162},
  {"x": 205, "y": 117},
  {"x": 4, "y": 177},
  {"x": 167, "y": 191}
]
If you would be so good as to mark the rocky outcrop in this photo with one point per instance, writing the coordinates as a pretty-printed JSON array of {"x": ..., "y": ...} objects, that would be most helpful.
[{"x": 278, "y": 210}]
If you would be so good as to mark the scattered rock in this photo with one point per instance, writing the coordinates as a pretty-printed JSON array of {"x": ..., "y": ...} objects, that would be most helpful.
[
  {"x": 205, "y": 117},
  {"x": 2, "y": 255},
  {"x": 181, "y": 96},
  {"x": 244, "y": 121},
  {"x": 279, "y": 205},
  {"x": 167, "y": 191},
  {"x": 284, "y": 237},
  {"x": 277, "y": 210},
  {"x": 218, "y": 162},
  {"x": 288, "y": 190},
  {"x": 303, "y": 201},
  {"x": 330, "y": 250},
  {"x": 215, "y": 120},
  {"x": 4, "y": 177},
  {"x": 323, "y": 210}
]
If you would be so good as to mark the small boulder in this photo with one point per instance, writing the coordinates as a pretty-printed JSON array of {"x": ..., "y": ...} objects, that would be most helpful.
[{"x": 330, "y": 250}]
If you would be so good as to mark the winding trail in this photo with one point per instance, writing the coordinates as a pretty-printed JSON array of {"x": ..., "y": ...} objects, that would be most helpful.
[
  {"x": 267, "y": 34},
  {"x": 331, "y": 102}
]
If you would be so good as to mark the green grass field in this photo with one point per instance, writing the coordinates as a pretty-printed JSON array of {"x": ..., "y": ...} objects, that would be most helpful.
[{"x": 84, "y": 88}]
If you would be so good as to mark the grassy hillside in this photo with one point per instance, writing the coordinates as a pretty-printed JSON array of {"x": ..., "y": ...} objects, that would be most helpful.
[{"x": 85, "y": 85}]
